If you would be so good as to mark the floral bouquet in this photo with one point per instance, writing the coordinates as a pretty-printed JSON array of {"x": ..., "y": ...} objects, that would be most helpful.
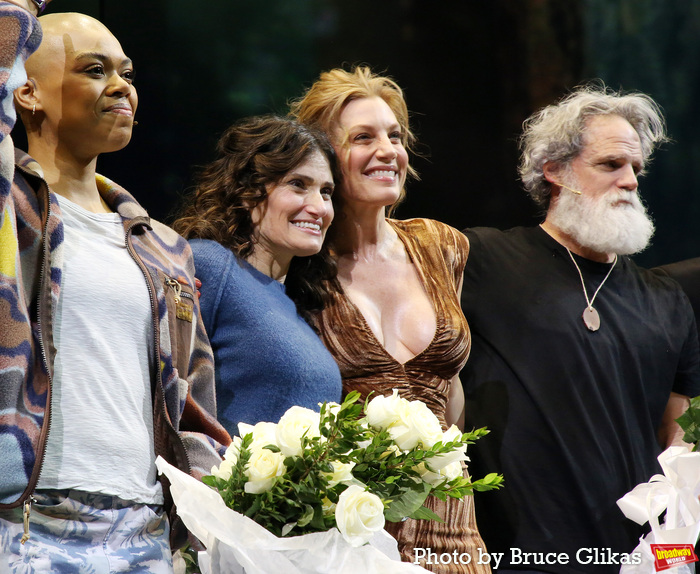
[
  {"x": 669, "y": 545},
  {"x": 316, "y": 486}
]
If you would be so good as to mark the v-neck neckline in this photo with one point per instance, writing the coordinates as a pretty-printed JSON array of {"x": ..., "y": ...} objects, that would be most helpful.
[{"x": 429, "y": 292}]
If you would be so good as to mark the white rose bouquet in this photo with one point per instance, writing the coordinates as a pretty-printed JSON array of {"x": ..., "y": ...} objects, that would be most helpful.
[
  {"x": 345, "y": 468},
  {"x": 350, "y": 467}
]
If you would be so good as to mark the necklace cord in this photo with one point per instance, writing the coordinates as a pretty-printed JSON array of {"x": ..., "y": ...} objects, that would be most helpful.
[{"x": 585, "y": 292}]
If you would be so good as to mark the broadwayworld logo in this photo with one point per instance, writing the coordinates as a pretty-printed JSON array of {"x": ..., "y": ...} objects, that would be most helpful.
[{"x": 671, "y": 555}]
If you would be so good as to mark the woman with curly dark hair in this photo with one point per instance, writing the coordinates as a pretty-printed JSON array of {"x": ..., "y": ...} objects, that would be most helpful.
[{"x": 256, "y": 223}]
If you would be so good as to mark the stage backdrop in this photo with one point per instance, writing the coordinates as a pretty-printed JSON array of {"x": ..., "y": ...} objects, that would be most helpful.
[{"x": 472, "y": 71}]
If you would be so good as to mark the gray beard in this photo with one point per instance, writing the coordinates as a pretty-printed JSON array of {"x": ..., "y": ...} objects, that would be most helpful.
[{"x": 601, "y": 226}]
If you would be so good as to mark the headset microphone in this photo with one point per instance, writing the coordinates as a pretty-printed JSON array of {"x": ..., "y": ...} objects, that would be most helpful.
[{"x": 565, "y": 187}]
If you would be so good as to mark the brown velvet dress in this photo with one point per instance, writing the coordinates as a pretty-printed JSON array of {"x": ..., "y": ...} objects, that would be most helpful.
[{"x": 439, "y": 254}]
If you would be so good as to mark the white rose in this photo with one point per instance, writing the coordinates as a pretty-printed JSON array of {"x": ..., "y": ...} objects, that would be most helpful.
[
  {"x": 331, "y": 407},
  {"x": 404, "y": 435},
  {"x": 441, "y": 461},
  {"x": 416, "y": 424},
  {"x": 452, "y": 434},
  {"x": 382, "y": 412},
  {"x": 342, "y": 472},
  {"x": 234, "y": 450},
  {"x": 425, "y": 423},
  {"x": 296, "y": 422},
  {"x": 453, "y": 470},
  {"x": 427, "y": 475},
  {"x": 264, "y": 433},
  {"x": 358, "y": 515},
  {"x": 263, "y": 467},
  {"x": 224, "y": 470},
  {"x": 434, "y": 477}
]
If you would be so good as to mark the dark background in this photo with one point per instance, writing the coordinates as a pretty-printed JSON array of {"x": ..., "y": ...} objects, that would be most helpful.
[{"x": 472, "y": 71}]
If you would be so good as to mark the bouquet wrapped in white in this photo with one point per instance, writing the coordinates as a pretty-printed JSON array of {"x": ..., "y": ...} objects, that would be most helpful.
[
  {"x": 675, "y": 492},
  {"x": 311, "y": 493}
]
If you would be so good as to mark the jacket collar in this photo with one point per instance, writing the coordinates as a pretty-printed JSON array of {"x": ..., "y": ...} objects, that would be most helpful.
[
  {"x": 26, "y": 161},
  {"x": 115, "y": 196},
  {"x": 122, "y": 202}
]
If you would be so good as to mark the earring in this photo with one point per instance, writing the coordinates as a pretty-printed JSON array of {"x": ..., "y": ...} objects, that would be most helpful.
[{"x": 33, "y": 109}]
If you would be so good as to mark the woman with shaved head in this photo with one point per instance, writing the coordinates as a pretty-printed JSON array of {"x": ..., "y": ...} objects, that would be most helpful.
[{"x": 104, "y": 363}]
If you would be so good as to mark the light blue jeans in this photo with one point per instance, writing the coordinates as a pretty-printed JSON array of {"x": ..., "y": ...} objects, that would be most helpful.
[{"x": 74, "y": 532}]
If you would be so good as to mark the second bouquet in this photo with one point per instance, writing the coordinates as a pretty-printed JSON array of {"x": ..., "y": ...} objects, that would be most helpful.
[{"x": 351, "y": 466}]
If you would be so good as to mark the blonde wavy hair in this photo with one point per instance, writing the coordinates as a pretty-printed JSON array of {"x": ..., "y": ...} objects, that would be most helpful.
[{"x": 322, "y": 104}]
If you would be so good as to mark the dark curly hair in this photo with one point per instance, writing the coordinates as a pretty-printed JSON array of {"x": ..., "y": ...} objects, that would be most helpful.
[{"x": 252, "y": 154}]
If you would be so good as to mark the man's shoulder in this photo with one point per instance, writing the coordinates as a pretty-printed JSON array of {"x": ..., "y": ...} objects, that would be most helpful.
[
  {"x": 687, "y": 270},
  {"x": 664, "y": 277},
  {"x": 496, "y": 234},
  {"x": 687, "y": 274},
  {"x": 662, "y": 290},
  {"x": 493, "y": 240}
]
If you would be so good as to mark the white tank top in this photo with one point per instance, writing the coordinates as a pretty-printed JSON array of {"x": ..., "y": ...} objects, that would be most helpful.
[{"x": 101, "y": 434}]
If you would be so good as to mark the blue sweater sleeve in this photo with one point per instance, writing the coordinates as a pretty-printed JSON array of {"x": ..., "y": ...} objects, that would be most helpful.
[{"x": 212, "y": 263}]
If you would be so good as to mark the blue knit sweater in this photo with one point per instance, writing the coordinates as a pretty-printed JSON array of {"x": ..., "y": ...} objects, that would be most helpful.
[{"x": 267, "y": 357}]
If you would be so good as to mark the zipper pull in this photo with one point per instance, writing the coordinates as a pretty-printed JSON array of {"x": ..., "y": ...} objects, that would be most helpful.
[
  {"x": 25, "y": 516},
  {"x": 182, "y": 310},
  {"x": 175, "y": 285}
]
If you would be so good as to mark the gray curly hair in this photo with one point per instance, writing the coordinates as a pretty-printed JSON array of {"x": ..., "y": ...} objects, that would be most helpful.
[{"x": 556, "y": 132}]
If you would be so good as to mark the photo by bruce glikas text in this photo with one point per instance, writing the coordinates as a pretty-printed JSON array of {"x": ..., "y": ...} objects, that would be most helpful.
[{"x": 590, "y": 556}]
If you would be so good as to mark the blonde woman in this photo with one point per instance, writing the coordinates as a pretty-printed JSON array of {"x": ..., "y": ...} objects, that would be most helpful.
[{"x": 395, "y": 319}]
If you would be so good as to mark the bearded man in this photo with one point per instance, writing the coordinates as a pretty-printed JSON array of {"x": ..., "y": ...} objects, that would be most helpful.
[{"x": 580, "y": 359}]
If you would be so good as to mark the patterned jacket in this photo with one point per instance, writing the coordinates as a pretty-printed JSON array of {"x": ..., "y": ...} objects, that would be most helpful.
[{"x": 186, "y": 432}]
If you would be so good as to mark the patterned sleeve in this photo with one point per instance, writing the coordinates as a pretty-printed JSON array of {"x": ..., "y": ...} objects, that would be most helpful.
[
  {"x": 205, "y": 439},
  {"x": 20, "y": 35}
]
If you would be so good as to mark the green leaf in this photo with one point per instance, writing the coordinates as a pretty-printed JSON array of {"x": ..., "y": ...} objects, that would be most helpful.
[
  {"x": 318, "y": 521},
  {"x": 491, "y": 481},
  {"x": 209, "y": 480},
  {"x": 254, "y": 507},
  {"x": 689, "y": 421},
  {"x": 424, "y": 513},
  {"x": 306, "y": 517},
  {"x": 408, "y": 503}
]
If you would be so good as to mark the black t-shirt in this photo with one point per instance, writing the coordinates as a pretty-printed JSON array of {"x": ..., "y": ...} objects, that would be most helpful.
[
  {"x": 573, "y": 413},
  {"x": 687, "y": 273}
]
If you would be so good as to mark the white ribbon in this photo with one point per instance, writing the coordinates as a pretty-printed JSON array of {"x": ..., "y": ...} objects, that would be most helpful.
[{"x": 676, "y": 491}]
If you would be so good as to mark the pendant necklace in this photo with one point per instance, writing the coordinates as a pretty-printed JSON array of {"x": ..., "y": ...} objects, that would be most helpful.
[{"x": 590, "y": 315}]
